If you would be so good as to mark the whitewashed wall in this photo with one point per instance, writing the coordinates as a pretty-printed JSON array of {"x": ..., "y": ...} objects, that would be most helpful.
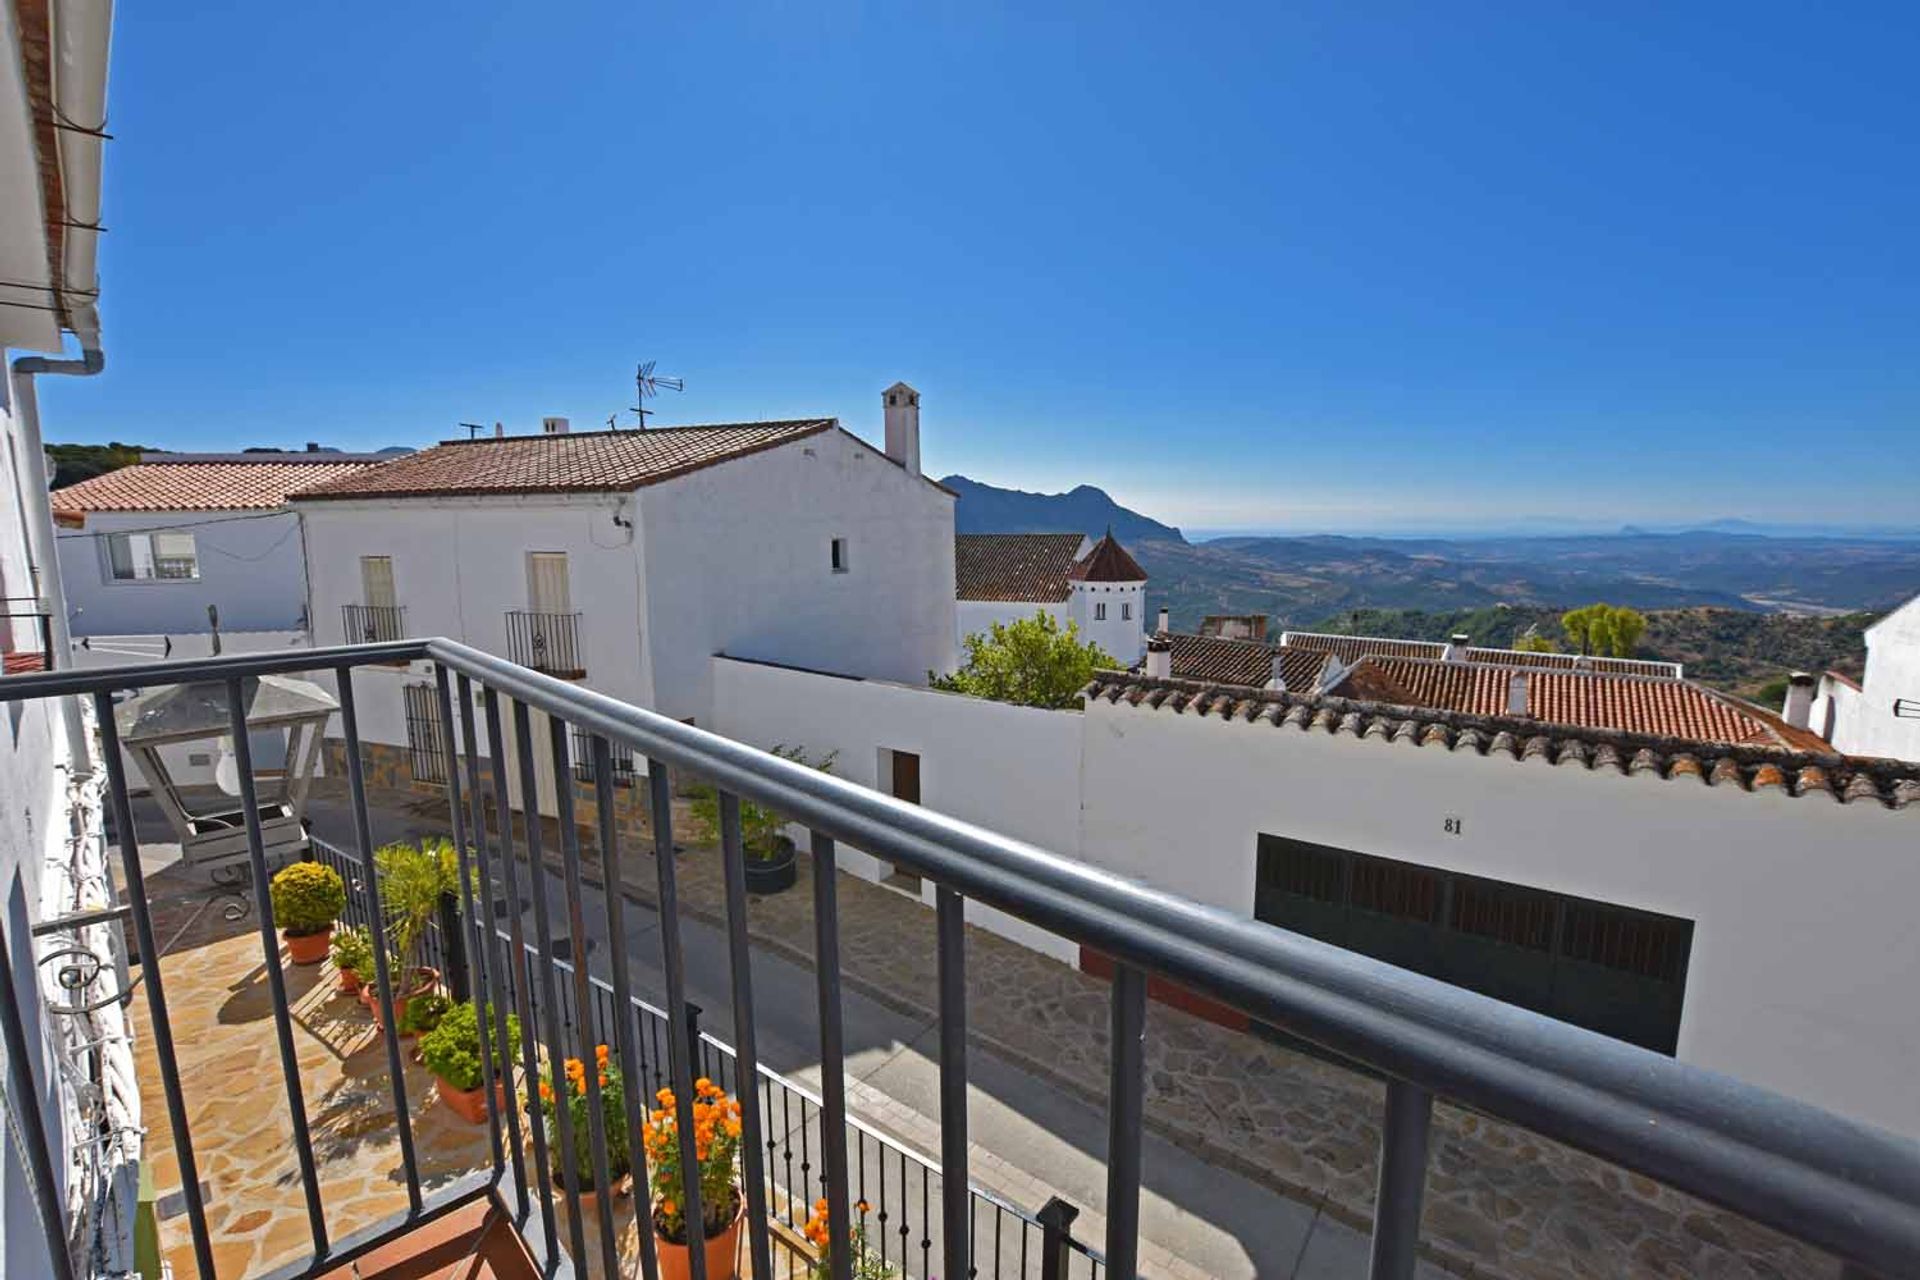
[
  {"x": 1804, "y": 953},
  {"x": 738, "y": 561},
  {"x": 1123, "y": 632},
  {"x": 1013, "y": 769},
  {"x": 976, "y": 617},
  {"x": 1864, "y": 723},
  {"x": 251, "y": 567}
]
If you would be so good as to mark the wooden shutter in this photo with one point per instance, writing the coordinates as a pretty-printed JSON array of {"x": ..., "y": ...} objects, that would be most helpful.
[
  {"x": 547, "y": 590},
  {"x": 376, "y": 582}
]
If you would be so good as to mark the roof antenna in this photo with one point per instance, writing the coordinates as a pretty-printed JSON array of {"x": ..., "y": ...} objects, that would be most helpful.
[
  {"x": 473, "y": 428},
  {"x": 647, "y": 384}
]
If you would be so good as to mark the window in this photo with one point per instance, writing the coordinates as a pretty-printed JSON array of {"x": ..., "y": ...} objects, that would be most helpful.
[
  {"x": 1100, "y": 612},
  {"x": 1126, "y": 612},
  {"x": 376, "y": 582},
  {"x": 142, "y": 557},
  {"x": 839, "y": 553}
]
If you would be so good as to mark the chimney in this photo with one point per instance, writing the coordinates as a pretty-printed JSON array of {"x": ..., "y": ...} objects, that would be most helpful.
[
  {"x": 555, "y": 426},
  {"x": 1278, "y": 681},
  {"x": 1159, "y": 658},
  {"x": 902, "y": 405},
  {"x": 1164, "y": 624},
  {"x": 313, "y": 446},
  {"x": 1798, "y": 710},
  {"x": 499, "y": 430},
  {"x": 1456, "y": 650},
  {"x": 1517, "y": 694}
]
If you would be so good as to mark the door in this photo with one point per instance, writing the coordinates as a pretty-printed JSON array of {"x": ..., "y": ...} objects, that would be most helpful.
[
  {"x": 901, "y": 776},
  {"x": 546, "y": 793},
  {"x": 547, "y": 589},
  {"x": 376, "y": 582}
]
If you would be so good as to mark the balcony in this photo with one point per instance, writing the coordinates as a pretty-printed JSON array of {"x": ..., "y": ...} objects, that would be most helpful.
[
  {"x": 310, "y": 1142},
  {"x": 27, "y": 630},
  {"x": 546, "y": 642},
  {"x": 373, "y": 623}
]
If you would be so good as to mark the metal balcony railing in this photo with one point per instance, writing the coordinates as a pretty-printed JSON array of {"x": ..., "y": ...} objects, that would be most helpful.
[
  {"x": 373, "y": 623},
  {"x": 1837, "y": 1185},
  {"x": 34, "y": 652},
  {"x": 546, "y": 642}
]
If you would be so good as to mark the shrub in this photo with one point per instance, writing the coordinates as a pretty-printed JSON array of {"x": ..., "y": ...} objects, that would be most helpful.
[
  {"x": 612, "y": 1118},
  {"x": 411, "y": 883},
  {"x": 760, "y": 827},
  {"x": 424, "y": 1012},
  {"x": 1033, "y": 661},
  {"x": 452, "y": 1049},
  {"x": 353, "y": 951},
  {"x": 307, "y": 897}
]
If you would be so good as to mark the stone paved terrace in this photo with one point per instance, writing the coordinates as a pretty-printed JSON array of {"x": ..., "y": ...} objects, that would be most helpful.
[{"x": 220, "y": 1008}]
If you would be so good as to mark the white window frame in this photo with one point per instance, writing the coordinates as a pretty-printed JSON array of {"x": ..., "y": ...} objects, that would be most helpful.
[
  {"x": 149, "y": 541},
  {"x": 1100, "y": 611}
]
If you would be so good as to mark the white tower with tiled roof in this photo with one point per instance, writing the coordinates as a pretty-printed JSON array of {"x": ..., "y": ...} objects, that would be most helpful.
[{"x": 1109, "y": 600}]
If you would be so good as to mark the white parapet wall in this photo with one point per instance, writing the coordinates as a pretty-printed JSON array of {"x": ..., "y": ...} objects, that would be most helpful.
[{"x": 1015, "y": 770}]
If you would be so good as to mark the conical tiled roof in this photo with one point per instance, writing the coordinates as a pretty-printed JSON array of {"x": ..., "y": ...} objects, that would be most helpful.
[{"x": 1108, "y": 562}]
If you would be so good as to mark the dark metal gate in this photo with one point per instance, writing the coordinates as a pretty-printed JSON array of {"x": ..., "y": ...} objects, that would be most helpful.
[{"x": 426, "y": 750}]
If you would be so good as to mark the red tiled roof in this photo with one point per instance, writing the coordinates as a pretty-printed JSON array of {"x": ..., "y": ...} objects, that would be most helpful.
[
  {"x": 575, "y": 462},
  {"x": 20, "y": 662},
  {"x": 1699, "y": 762},
  {"x": 1841, "y": 677},
  {"x": 1354, "y": 648},
  {"x": 1418, "y": 682},
  {"x": 199, "y": 486},
  {"x": 1246, "y": 662},
  {"x": 1013, "y": 566},
  {"x": 1108, "y": 561}
]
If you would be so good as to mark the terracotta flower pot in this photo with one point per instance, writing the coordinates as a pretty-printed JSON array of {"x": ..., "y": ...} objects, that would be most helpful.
[
  {"x": 470, "y": 1104},
  {"x": 722, "y": 1250},
  {"x": 422, "y": 981},
  {"x": 349, "y": 983},
  {"x": 594, "y": 1200},
  {"x": 308, "y": 948}
]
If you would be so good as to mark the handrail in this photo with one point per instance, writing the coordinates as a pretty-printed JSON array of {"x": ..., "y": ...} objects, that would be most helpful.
[{"x": 1835, "y": 1183}]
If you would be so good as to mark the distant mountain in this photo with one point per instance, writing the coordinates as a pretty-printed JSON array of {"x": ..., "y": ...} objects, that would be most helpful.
[{"x": 985, "y": 508}]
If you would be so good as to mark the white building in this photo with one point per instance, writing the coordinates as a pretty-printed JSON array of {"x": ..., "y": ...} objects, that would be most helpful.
[
  {"x": 53, "y": 67},
  {"x": 628, "y": 559},
  {"x": 183, "y": 544},
  {"x": 1878, "y": 715},
  {"x": 1732, "y": 900},
  {"x": 1093, "y": 583}
]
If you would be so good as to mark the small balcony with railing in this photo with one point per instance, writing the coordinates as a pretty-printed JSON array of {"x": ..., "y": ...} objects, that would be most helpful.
[
  {"x": 546, "y": 642},
  {"x": 373, "y": 623},
  {"x": 294, "y": 1131},
  {"x": 26, "y": 635}
]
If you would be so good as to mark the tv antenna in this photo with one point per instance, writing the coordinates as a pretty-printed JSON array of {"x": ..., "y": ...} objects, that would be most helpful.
[
  {"x": 473, "y": 429},
  {"x": 647, "y": 383}
]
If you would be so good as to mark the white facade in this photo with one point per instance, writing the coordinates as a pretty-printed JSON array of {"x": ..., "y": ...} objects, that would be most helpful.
[
  {"x": 736, "y": 558},
  {"x": 1802, "y": 945},
  {"x": 1113, "y": 616},
  {"x": 1862, "y": 721},
  {"x": 248, "y": 566}
]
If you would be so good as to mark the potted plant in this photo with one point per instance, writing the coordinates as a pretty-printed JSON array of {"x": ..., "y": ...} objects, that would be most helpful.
[
  {"x": 307, "y": 897},
  {"x": 867, "y": 1265},
  {"x": 412, "y": 881},
  {"x": 353, "y": 956},
  {"x": 612, "y": 1123},
  {"x": 716, "y": 1127},
  {"x": 770, "y": 863},
  {"x": 422, "y": 1013},
  {"x": 451, "y": 1051}
]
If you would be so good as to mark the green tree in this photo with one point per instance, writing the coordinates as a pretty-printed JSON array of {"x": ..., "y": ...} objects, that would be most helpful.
[
  {"x": 1034, "y": 662},
  {"x": 1531, "y": 641},
  {"x": 1604, "y": 630}
]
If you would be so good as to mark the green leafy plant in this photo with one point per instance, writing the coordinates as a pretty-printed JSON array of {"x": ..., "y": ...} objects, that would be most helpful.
[
  {"x": 612, "y": 1117},
  {"x": 307, "y": 897},
  {"x": 1603, "y": 629},
  {"x": 424, "y": 1012},
  {"x": 412, "y": 880},
  {"x": 452, "y": 1049},
  {"x": 1034, "y": 662},
  {"x": 352, "y": 951},
  {"x": 760, "y": 827}
]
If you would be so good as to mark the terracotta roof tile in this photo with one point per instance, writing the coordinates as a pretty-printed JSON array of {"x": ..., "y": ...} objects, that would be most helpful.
[
  {"x": 1351, "y": 649},
  {"x": 1845, "y": 779},
  {"x": 199, "y": 486},
  {"x": 1108, "y": 561},
  {"x": 1245, "y": 662},
  {"x": 1414, "y": 682},
  {"x": 575, "y": 462},
  {"x": 1014, "y": 566}
]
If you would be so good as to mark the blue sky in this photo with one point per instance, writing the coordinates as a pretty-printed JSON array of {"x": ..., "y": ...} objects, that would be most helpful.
[{"x": 1300, "y": 266}]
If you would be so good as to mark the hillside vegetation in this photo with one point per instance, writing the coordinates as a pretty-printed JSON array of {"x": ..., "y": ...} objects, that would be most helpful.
[{"x": 1744, "y": 653}]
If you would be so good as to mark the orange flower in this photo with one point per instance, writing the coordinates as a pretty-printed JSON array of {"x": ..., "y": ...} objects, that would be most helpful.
[{"x": 669, "y": 1208}]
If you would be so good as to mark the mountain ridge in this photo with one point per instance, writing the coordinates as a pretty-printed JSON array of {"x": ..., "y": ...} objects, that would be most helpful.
[{"x": 986, "y": 508}]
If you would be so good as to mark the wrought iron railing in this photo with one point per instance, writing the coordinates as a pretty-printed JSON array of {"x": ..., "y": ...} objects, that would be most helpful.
[
  {"x": 36, "y": 654},
  {"x": 1835, "y": 1184},
  {"x": 373, "y": 623},
  {"x": 546, "y": 642}
]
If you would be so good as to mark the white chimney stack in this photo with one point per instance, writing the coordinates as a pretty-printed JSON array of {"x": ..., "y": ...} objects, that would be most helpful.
[
  {"x": 902, "y": 405},
  {"x": 1163, "y": 624},
  {"x": 1159, "y": 658},
  {"x": 555, "y": 426},
  {"x": 1456, "y": 650},
  {"x": 1798, "y": 710},
  {"x": 1278, "y": 681},
  {"x": 1517, "y": 694}
]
